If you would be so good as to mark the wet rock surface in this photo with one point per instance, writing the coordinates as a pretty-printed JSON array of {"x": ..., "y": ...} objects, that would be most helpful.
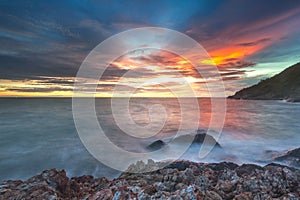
[
  {"x": 291, "y": 158},
  {"x": 179, "y": 180},
  {"x": 158, "y": 144},
  {"x": 199, "y": 138}
]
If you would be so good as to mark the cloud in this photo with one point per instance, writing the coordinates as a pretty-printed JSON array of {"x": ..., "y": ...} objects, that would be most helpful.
[
  {"x": 236, "y": 65},
  {"x": 57, "y": 82},
  {"x": 46, "y": 43},
  {"x": 247, "y": 44},
  {"x": 39, "y": 90}
]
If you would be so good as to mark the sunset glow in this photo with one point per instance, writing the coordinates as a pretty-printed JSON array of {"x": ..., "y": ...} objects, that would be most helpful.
[{"x": 41, "y": 57}]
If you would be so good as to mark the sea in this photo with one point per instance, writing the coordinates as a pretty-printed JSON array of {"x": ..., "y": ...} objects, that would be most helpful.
[{"x": 40, "y": 133}]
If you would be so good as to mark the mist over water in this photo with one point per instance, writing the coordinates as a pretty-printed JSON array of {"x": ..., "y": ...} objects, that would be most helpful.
[{"x": 37, "y": 134}]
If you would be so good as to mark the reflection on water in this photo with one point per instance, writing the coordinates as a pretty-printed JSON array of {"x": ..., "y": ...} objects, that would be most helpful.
[{"x": 36, "y": 134}]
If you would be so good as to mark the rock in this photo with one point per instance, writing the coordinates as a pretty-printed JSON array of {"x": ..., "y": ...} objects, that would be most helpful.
[
  {"x": 291, "y": 158},
  {"x": 212, "y": 195},
  {"x": 104, "y": 194},
  {"x": 195, "y": 169},
  {"x": 247, "y": 169},
  {"x": 161, "y": 187},
  {"x": 227, "y": 186},
  {"x": 222, "y": 166},
  {"x": 150, "y": 189},
  {"x": 297, "y": 99},
  {"x": 202, "y": 183},
  {"x": 158, "y": 144},
  {"x": 180, "y": 165},
  {"x": 179, "y": 185},
  {"x": 189, "y": 175},
  {"x": 140, "y": 167},
  {"x": 180, "y": 180},
  {"x": 143, "y": 196},
  {"x": 198, "y": 138},
  {"x": 50, "y": 184},
  {"x": 175, "y": 197},
  {"x": 190, "y": 192},
  {"x": 243, "y": 196}
]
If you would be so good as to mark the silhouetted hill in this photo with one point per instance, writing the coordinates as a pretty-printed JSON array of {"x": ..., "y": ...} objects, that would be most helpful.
[{"x": 285, "y": 85}]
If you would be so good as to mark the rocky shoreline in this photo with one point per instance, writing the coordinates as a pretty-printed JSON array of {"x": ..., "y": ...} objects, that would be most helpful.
[{"x": 179, "y": 180}]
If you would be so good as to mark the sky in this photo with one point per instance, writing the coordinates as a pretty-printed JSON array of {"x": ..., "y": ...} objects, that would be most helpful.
[{"x": 43, "y": 43}]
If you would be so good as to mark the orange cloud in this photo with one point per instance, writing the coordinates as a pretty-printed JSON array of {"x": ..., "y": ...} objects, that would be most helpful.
[
  {"x": 231, "y": 53},
  {"x": 241, "y": 41}
]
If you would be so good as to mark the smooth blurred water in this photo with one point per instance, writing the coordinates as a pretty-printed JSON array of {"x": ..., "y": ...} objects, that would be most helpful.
[{"x": 37, "y": 134}]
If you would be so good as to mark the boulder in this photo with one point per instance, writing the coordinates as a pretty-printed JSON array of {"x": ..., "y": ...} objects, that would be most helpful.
[
  {"x": 291, "y": 158},
  {"x": 197, "y": 138},
  {"x": 158, "y": 144}
]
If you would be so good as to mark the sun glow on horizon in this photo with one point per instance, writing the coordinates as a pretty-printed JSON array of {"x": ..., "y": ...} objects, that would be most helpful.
[
  {"x": 40, "y": 54},
  {"x": 154, "y": 73}
]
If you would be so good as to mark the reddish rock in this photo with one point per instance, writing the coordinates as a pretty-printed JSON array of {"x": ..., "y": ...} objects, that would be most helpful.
[{"x": 211, "y": 181}]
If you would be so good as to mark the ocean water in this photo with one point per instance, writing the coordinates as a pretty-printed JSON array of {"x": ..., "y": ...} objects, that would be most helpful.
[{"x": 39, "y": 133}]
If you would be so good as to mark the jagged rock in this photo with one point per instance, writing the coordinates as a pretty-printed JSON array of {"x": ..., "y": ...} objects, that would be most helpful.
[
  {"x": 140, "y": 166},
  {"x": 180, "y": 180},
  {"x": 105, "y": 194}
]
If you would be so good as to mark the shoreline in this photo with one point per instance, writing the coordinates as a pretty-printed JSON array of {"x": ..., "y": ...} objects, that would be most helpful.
[{"x": 185, "y": 179}]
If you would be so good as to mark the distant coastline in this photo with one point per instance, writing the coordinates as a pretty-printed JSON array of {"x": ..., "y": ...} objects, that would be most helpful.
[{"x": 283, "y": 86}]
